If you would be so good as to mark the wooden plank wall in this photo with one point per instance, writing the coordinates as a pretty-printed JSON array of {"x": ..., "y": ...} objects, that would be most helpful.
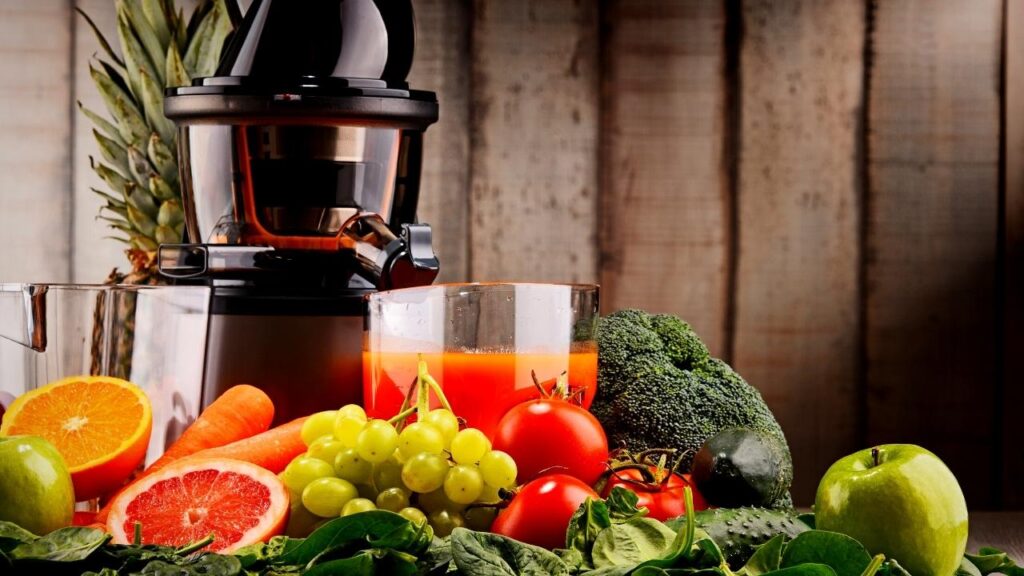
[{"x": 831, "y": 191}]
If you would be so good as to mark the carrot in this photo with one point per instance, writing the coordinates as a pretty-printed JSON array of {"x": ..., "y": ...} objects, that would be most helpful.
[
  {"x": 272, "y": 449},
  {"x": 240, "y": 412}
]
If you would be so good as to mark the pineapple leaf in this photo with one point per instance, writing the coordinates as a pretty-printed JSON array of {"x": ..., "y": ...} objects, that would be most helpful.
[
  {"x": 135, "y": 58},
  {"x": 121, "y": 107},
  {"x": 143, "y": 243},
  {"x": 112, "y": 151},
  {"x": 166, "y": 235},
  {"x": 176, "y": 74},
  {"x": 197, "y": 17},
  {"x": 121, "y": 211},
  {"x": 102, "y": 39},
  {"x": 203, "y": 53},
  {"x": 142, "y": 201},
  {"x": 118, "y": 238},
  {"x": 116, "y": 75},
  {"x": 106, "y": 127},
  {"x": 181, "y": 31},
  {"x": 139, "y": 167},
  {"x": 156, "y": 15},
  {"x": 113, "y": 178},
  {"x": 170, "y": 213},
  {"x": 143, "y": 31},
  {"x": 161, "y": 189},
  {"x": 153, "y": 103},
  {"x": 112, "y": 202},
  {"x": 120, "y": 224},
  {"x": 163, "y": 159}
]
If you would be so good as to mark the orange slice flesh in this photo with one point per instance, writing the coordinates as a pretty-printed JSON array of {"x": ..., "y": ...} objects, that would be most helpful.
[
  {"x": 237, "y": 502},
  {"x": 99, "y": 424}
]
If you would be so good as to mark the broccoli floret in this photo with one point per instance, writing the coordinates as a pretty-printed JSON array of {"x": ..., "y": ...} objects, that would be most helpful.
[{"x": 658, "y": 387}]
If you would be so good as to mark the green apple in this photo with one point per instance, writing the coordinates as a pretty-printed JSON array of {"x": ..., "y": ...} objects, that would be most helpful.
[
  {"x": 899, "y": 500},
  {"x": 35, "y": 486}
]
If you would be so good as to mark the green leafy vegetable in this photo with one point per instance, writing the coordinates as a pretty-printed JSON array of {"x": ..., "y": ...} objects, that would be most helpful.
[
  {"x": 63, "y": 545},
  {"x": 483, "y": 554},
  {"x": 843, "y": 554},
  {"x": 631, "y": 543},
  {"x": 990, "y": 560}
]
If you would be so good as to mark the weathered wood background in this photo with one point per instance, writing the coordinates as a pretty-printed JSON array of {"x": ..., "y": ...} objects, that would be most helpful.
[{"x": 831, "y": 191}]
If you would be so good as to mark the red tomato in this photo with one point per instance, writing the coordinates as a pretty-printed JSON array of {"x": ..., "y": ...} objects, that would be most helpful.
[
  {"x": 551, "y": 435},
  {"x": 663, "y": 501},
  {"x": 540, "y": 512}
]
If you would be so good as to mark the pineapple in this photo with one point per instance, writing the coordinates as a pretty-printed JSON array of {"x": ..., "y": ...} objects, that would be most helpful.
[{"x": 139, "y": 164}]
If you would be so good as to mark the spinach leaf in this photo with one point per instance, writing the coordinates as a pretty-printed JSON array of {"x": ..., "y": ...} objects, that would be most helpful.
[
  {"x": 265, "y": 552},
  {"x": 766, "y": 558},
  {"x": 204, "y": 565},
  {"x": 808, "y": 569},
  {"x": 593, "y": 516},
  {"x": 967, "y": 568},
  {"x": 356, "y": 529},
  {"x": 359, "y": 565},
  {"x": 62, "y": 545},
  {"x": 631, "y": 543},
  {"x": 990, "y": 560},
  {"x": 11, "y": 535},
  {"x": 437, "y": 559},
  {"x": 484, "y": 554},
  {"x": 843, "y": 554}
]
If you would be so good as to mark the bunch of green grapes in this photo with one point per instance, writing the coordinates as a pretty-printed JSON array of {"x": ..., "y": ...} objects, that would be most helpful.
[{"x": 430, "y": 471}]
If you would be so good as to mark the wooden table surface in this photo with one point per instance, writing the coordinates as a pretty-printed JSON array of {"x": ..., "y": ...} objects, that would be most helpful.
[{"x": 1002, "y": 530}]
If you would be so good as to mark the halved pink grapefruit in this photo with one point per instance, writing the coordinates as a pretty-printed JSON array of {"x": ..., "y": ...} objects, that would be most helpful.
[{"x": 237, "y": 502}]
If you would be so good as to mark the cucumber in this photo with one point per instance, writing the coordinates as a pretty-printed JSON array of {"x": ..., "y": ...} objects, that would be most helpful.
[
  {"x": 737, "y": 531},
  {"x": 741, "y": 467}
]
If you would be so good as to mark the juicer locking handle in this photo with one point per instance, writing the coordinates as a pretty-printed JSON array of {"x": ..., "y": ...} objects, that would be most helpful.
[{"x": 387, "y": 260}]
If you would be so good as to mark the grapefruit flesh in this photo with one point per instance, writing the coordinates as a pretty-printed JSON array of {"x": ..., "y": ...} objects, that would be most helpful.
[{"x": 237, "y": 502}]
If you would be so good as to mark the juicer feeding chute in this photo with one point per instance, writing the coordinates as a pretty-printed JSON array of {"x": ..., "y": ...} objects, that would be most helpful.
[
  {"x": 300, "y": 170},
  {"x": 307, "y": 140}
]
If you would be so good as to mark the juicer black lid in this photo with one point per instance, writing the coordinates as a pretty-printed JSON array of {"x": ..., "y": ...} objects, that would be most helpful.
[{"x": 313, "y": 59}]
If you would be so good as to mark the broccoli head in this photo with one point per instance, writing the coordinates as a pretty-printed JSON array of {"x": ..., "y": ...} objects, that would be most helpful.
[{"x": 659, "y": 387}]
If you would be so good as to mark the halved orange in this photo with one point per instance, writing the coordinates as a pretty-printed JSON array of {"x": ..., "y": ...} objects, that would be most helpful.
[
  {"x": 99, "y": 424},
  {"x": 239, "y": 503}
]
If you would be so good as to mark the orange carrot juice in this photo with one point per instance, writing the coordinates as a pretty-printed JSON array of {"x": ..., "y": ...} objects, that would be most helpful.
[{"x": 481, "y": 386}]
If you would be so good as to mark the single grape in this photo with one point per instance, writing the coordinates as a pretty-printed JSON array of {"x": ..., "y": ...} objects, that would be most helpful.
[
  {"x": 469, "y": 446},
  {"x": 393, "y": 499},
  {"x": 463, "y": 484},
  {"x": 367, "y": 491},
  {"x": 318, "y": 425},
  {"x": 434, "y": 501},
  {"x": 489, "y": 494},
  {"x": 349, "y": 465},
  {"x": 418, "y": 438},
  {"x": 325, "y": 448},
  {"x": 377, "y": 441},
  {"x": 357, "y": 505},
  {"x": 414, "y": 515},
  {"x": 303, "y": 470},
  {"x": 352, "y": 411},
  {"x": 387, "y": 475},
  {"x": 444, "y": 521},
  {"x": 499, "y": 469},
  {"x": 327, "y": 496},
  {"x": 444, "y": 421},
  {"x": 424, "y": 472},
  {"x": 347, "y": 429},
  {"x": 480, "y": 518}
]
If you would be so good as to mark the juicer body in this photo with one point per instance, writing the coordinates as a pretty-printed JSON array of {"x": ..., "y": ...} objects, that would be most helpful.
[{"x": 300, "y": 166}]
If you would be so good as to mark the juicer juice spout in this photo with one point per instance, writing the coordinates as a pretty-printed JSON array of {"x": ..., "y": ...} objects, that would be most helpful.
[{"x": 23, "y": 315}]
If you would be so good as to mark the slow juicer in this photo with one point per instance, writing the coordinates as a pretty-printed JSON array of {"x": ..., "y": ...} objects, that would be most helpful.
[{"x": 300, "y": 167}]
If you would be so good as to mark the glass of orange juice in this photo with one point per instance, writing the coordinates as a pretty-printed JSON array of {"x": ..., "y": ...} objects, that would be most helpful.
[{"x": 483, "y": 343}]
